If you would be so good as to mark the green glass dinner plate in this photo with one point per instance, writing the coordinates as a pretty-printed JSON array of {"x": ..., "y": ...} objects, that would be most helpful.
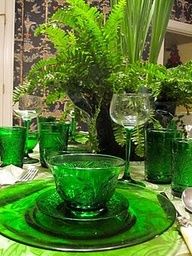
[{"x": 154, "y": 215}]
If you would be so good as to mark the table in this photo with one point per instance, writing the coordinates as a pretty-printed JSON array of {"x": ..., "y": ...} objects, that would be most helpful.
[{"x": 170, "y": 243}]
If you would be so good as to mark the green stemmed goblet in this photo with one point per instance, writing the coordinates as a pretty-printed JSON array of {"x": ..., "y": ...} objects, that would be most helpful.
[
  {"x": 28, "y": 107},
  {"x": 129, "y": 110}
]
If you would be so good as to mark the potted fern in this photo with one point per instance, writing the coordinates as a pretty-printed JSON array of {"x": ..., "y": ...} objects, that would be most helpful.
[{"x": 89, "y": 49}]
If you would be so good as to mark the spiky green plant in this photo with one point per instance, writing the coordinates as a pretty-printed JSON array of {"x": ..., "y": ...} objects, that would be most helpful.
[
  {"x": 160, "y": 18},
  {"x": 142, "y": 18}
]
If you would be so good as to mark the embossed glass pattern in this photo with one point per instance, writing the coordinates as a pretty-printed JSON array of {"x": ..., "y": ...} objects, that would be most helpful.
[
  {"x": 53, "y": 137},
  {"x": 86, "y": 181},
  {"x": 12, "y": 145},
  {"x": 158, "y": 155},
  {"x": 182, "y": 166}
]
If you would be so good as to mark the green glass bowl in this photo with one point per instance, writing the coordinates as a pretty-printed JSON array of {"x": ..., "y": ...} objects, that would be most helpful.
[{"x": 86, "y": 182}]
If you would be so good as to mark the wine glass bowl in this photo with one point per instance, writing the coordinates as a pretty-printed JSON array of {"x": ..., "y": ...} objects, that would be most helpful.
[
  {"x": 129, "y": 110},
  {"x": 86, "y": 182},
  {"x": 27, "y": 108}
]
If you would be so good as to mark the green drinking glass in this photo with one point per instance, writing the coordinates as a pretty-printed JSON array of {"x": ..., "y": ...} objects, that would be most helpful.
[
  {"x": 158, "y": 155},
  {"x": 182, "y": 166},
  {"x": 53, "y": 137},
  {"x": 12, "y": 145},
  {"x": 86, "y": 182}
]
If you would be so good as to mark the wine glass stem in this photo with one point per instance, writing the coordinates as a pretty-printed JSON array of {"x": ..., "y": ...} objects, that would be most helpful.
[
  {"x": 26, "y": 124},
  {"x": 126, "y": 175}
]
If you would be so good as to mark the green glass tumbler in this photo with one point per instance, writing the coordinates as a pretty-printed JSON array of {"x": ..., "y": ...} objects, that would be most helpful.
[
  {"x": 182, "y": 166},
  {"x": 12, "y": 145},
  {"x": 158, "y": 155},
  {"x": 53, "y": 137},
  {"x": 86, "y": 182}
]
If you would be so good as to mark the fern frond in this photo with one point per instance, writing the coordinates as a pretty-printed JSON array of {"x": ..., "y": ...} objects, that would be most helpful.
[
  {"x": 82, "y": 19},
  {"x": 21, "y": 89},
  {"x": 111, "y": 30},
  {"x": 41, "y": 65},
  {"x": 138, "y": 137},
  {"x": 119, "y": 134},
  {"x": 60, "y": 39}
]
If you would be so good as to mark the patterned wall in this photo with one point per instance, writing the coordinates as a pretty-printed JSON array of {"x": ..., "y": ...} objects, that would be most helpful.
[
  {"x": 28, "y": 48},
  {"x": 182, "y": 11},
  {"x": 31, "y": 13}
]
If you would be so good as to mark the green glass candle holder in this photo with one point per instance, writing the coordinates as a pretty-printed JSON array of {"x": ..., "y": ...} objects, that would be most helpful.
[
  {"x": 53, "y": 137},
  {"x": 86, "y": 182},
  {"x": 158, "y": 155},
  {"x": 182, "y": 166},
  {"x": 12, "y": 145}
]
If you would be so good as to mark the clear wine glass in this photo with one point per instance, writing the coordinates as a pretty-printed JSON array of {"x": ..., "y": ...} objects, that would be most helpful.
[
  {"x": 129, "y": 110},
  {"x": 27, "y": 108}
]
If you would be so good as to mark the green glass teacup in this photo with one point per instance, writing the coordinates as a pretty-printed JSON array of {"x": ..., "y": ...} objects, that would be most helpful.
[{"x": 86, "y": 182}]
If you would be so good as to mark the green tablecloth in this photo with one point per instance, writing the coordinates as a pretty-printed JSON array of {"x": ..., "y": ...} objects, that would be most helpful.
[{"x": 169, "y": 243}]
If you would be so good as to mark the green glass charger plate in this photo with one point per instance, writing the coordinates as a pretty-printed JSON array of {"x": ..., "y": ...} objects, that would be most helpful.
[{"x": 154, "y": 215}]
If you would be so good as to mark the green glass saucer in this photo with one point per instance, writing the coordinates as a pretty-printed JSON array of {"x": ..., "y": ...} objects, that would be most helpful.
[
  {"x": 52, "y": 216},
  {"x": 154, "y": 215}
]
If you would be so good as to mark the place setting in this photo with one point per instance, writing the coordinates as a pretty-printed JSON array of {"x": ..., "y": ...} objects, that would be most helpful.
[
  {"x": 54, "y": 214},
  {"x": 96, "y": 128},
  {"x": 85, "y": 206}
]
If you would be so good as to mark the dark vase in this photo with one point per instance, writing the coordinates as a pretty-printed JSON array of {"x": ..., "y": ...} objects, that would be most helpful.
[
  {"x": 164, "y": 111},
  {"x": 106, "y": 139}
]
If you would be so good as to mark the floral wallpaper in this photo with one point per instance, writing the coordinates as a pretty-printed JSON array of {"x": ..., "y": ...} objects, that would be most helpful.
[
  {"x": 182, "y": 11},
  {"x": 31, "y": 13},
  {"x": 28, "y": 48}
]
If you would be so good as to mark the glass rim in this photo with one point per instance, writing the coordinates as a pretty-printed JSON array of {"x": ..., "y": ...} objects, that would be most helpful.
[
  {"x": 10, "y": 128},
  {"x": 183, "y": 139},
  {"x": 54, "y": 122},
  {"x": 120, "y": 164},
  {"x": 161, "y": 130},
  {"x": 134, "y": 94}
]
